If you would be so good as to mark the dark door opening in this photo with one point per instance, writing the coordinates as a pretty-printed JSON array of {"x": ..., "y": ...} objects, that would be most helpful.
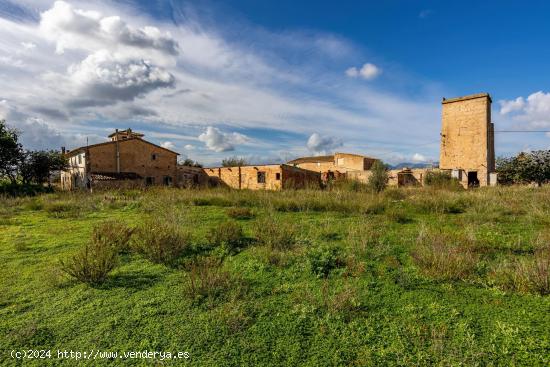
[{"x": 472, "y": 179}]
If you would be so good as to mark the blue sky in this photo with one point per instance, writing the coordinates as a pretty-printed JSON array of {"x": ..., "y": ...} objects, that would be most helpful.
[{"x": 271, "y": 81}]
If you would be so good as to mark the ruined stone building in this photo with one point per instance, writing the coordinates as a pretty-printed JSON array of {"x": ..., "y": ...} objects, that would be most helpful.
[
  {"x": 264, "y": 177},
  {"x": 336, "y": 165},
  {"x": 467, "y": 140},
  {"x": 127, "y": 159}
]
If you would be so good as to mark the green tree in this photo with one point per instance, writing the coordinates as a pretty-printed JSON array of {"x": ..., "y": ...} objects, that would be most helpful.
[
  {"x": 11, "y": 152},
  {"x": 37, "y": 166},
  {"x": 524, "y": 168},
  {"x": 234, "y": 162},
  {"x": 378, "y": 179},
  {"x": 190, "y": 163}
]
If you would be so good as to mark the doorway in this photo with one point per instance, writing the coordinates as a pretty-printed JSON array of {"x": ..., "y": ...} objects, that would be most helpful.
[{"x": 473, "y": 181}]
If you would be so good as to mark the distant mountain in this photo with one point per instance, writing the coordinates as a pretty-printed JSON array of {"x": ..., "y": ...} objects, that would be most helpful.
[{"x": 413, "y": 165}]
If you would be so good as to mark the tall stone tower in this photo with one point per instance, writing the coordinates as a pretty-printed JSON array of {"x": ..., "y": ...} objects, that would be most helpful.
[{"x": 467, "y": 139}]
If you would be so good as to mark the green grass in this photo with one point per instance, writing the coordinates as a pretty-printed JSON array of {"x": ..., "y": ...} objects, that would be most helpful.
[{"x": 386, "y": 294}]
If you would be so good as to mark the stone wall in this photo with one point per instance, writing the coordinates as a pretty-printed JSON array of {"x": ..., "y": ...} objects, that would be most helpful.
[
  {"x": 417, "y": 174},
  {"x": 263, "y": 177},
  {"x": 341, "y": 162},
  {"x": 191, "y": 177}
]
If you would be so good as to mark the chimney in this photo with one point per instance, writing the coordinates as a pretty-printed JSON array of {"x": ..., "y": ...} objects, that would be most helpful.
[{"x": 62, "y": 150}]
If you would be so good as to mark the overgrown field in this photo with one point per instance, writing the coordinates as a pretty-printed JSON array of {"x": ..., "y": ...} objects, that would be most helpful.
[{"x": 406, "y": 277}]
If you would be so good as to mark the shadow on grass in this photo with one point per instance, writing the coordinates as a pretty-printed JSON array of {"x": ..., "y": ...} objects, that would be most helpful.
[{"x": 137, "y": 280}]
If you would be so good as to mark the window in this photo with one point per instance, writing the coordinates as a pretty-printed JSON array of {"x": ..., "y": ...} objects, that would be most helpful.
[
  {"x": 167, "y": 180},
  {"x": 149, "y": 181},
  {"x": 79, "y": 158},
  {"x": 154, "y": 156},
  {"x": 277, "y": 176},
  {"x": 261, "y": 177}
]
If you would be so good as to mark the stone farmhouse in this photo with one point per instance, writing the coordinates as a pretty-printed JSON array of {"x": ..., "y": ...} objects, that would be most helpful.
[
  {"x": 127, "y": 159},
  {"x": 467, "y": 152}
]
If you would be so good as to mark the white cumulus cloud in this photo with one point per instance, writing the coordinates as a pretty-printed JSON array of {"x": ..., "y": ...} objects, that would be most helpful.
[
  {"x": 168, "y": 145},
  {"x": 72, "y": 28},
  {"x": 368, "y": 71},
  {"x": 102, "y": 79},
  {"x": 534, "y": 111},
  {"x": 511, "y": 106},
  {"x": 418, "y": 158},
  {"x": 216, "y": 140},
  {"x": 322, "y": 144}
]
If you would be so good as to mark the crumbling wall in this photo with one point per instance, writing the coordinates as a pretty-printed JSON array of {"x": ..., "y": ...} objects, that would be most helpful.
[
  {"x": 264, "y": 177},
  {"x": 191, "y": 177},
  {"x": 317, "y": 166},
  {"x": 296, "y": 178}
]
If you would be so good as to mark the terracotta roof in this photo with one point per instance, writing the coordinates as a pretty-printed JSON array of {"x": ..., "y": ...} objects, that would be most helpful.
[
  {"x": 80, "y": 149},
  {"x": 320, "y": 158}
]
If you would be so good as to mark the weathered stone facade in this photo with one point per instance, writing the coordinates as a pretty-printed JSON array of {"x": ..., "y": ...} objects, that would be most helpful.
[
  {"x": 127, "y": 157},
  {"x": 467, "y": 139},
  {"x": 264, "y": 177},
  {"x": 338, "y": 163}
]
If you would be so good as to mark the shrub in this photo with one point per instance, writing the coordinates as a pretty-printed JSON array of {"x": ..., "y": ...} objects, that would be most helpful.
[
  {"x": 378, "y": 179},
  {"x": 240, "y": 213},
  {"x": 351, "y": 185},
  {"x": 19, "y": 189},
  {"x": 274, "y": 233},
  {"x": 395, "y": 194},
  {"x": 527, "y": 275},
  {"x": 63, "y": 209},
  {"x": 206, "y": 280},
  {"x": 212, "y": 201},
  {"x": 344, "y": 301},
  {"x": 441, "y": 180},
  {"x": 161, "y": 241},
  {"x": 375, "y": 207},
  {"x": 34, "y": 204},
  {"x": 399, "y": 215},
  {"x": 228, "y": 234},
  {"x": 441, "y": 257},
  {"x": 92, "y": 263},
  {"x": 323, "y": 260},
  {"x": 114, "y": 233}
]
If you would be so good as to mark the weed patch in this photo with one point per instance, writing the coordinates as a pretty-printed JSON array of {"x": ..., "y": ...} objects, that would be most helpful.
[
  {"x": 442, "y": 257},
  {"x": 274, "y": 233},
  {"x": 324, "y": 259},
  {"x": 228, "y": 234},
  {"x": 161, "y": 241},
  {"x": 240, "y": 213},
  {"x": 207, "y": 281}
]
